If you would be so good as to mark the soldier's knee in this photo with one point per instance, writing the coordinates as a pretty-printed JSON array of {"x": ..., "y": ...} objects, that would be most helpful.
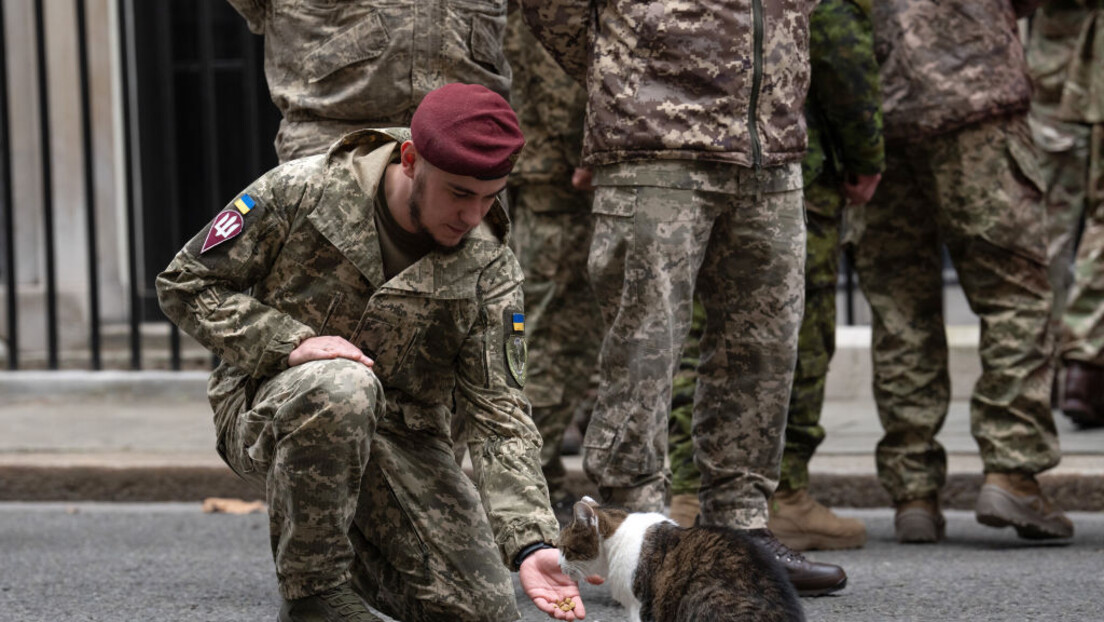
[{"x": 338, "y": 392}]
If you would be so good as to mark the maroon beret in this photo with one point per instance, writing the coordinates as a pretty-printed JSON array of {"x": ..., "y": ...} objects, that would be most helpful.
[{"x": 467, "y": 129}]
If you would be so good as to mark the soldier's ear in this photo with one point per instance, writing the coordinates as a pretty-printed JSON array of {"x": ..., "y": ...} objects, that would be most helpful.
[{"x": 407, "y": 157}]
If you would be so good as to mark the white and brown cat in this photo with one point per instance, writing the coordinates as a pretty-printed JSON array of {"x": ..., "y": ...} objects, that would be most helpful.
[{"x": 661, "y": 572}]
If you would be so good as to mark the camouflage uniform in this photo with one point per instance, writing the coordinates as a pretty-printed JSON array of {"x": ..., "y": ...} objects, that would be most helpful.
[
  {"x": 1080, "y": 104},
  {"x": 335, "y": 66},
  {"x": 1063, "y": 145},
  {"x": 551, "y": 233},
  {"x": 845, "y": 136},
  {"x": 357, "y": 463},
  {"x": 961, "y": 170},
  {"x": 695, "y": 148}
]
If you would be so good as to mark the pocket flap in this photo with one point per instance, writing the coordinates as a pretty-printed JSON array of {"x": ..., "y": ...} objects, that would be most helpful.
[{"x": 365, "y": 40}]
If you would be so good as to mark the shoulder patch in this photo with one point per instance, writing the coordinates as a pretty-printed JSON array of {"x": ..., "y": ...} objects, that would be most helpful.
[
  {"x": 227, "y": 225},
  {"x": 517, "y": 351}
]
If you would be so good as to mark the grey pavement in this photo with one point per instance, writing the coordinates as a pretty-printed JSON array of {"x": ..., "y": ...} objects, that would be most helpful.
[{"x": 114, "y": 562}]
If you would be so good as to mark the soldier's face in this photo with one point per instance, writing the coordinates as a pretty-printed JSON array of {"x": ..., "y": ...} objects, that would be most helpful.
[{"x": 448, "y": 206}]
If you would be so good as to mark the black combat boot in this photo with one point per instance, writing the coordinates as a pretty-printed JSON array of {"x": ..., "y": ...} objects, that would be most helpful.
[
  {"x": 338, "y": 604},
  {"x": 1083, "y": 394}
]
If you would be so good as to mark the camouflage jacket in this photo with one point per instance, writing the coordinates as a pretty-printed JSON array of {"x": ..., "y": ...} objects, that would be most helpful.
[
  {"x": 308, "y": 254},
  {"x": 684, "y": 80},
  {"x": 550, "y": 106},
  {"x": 333, "y": 67},
  {"x": 843, "y": 108},
  {"x": 948, "y": 64},
  {"x": 1066, "y": 56}
]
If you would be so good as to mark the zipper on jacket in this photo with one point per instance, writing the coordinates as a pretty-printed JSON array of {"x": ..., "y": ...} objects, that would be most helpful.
[{"x": 756, "y": 83}]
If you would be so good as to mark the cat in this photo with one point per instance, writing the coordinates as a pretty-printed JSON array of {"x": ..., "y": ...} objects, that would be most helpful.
[{"x": 661, "y": 572}]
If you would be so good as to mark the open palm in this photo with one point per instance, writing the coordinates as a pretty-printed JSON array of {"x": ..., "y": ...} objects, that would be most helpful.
[{"x": 547, "y": 586}]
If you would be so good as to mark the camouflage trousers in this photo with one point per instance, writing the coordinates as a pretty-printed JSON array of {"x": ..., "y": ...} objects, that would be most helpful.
[
  {"x": 551, "y": 235},
  {"x": 353, "y": 494},
  {"x": 815, "y": 346},
  {"x": 977, "y": 190},
  {"x": 1083, "y": 322},
  {"x": 744, "y": 254},
  {"x": 1064, "y": 161}
]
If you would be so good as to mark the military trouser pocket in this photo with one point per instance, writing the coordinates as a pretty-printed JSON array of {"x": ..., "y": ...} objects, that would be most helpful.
[{"x": 256, "y": 443}]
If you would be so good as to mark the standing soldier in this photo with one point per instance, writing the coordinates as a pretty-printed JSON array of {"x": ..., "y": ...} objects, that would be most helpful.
[
  {"x": 333, "y": 67},
  {"x": 843, "y": 163},
  {"x": 961, "y": 170},
  {"x": 1066, "y": 54},
  {"x": 695, "y": 133},
  {"x": 552, "y": 226}
]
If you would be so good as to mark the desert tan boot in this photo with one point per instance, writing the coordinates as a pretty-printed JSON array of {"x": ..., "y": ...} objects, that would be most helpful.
[
  {"x": 805, "y": 525},
  {"x": 1015, "y": 500},
  {"x": 684, "y": 509},
  {"x": 919, "y": 521}
]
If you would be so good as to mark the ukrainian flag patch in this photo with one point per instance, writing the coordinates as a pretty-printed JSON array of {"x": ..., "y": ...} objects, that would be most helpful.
[
  {"x": 244, "y": 203},
  {"x": 519, "y": 322}
]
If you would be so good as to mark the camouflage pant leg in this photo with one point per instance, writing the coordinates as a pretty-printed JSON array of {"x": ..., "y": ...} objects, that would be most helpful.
[
  {"x": 685, "y": 477},
  {"x": 1064, "y": 161},
  {"x": 1083, "y": 337},
  {"x": 978, "y": 188},
  {"x": 425, "y": 551},
  {"x": 898, "y": 262},
  {"x": 648, "y": 245},
  {"x": 817, "y": 339},
  {"x": 993, "y": 222},
  {"x": 306, "y": 439},
  {"x": 551, "y": 237},
  {"x": 751, "y": 285}
]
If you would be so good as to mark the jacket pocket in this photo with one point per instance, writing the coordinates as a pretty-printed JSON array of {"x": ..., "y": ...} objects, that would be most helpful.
[
  {"x": 486, "y": 46},
  {"x": 365, "y": 40}
]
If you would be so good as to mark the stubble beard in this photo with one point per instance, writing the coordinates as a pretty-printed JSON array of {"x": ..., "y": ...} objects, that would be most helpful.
[{"x": 414, "y": 204}]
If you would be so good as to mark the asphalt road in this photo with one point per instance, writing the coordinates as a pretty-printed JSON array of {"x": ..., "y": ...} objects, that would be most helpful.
[{"x": 170, "y": 562}]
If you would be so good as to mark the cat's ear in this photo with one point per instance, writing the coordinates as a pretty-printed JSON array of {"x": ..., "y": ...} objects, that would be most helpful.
[
  {"x": 587, "y": 499},
  {"x": 585, "y": 514}
]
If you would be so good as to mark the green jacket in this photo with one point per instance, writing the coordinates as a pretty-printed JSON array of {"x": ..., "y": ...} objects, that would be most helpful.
[
  {"x": 843, "y": 109},
  {"x": 307, "y": 262}
]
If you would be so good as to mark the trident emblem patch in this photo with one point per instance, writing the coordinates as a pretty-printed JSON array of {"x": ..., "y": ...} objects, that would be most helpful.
[{"x": 228, "y": 224}]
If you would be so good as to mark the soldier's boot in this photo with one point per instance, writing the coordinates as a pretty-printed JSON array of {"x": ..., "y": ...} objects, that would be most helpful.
[
  {"x": 684, "y": 509},
  {"x": 919, "y": 521},
  {"x": 1083, "y": 394},
  {"x": 338, "y": 604},
  {"x": 1015, "y": 500},
  {"x": 572, "y": 443},
  {"x": 805, "y": 525},
  {"x": 809, "y": 578}
]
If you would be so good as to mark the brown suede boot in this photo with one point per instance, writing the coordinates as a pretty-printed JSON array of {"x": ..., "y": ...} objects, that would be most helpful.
[
  {"x": 919, "y": 521},
  {"x": 805, "y": 525},
  {"x": 1015, "y": 500},
  {"x": 684, "y": 509},
  {"x": 1083, "y": 394}
]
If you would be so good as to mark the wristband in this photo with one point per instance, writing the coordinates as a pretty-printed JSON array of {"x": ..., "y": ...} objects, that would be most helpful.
[{"x": 529, "y": 550}]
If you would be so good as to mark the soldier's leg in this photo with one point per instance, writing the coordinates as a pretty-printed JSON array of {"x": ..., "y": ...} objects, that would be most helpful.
[
  {"x": 425, "y": 551},
  {"x": 1083, "y": 324},
  {"x": 752, "y": 287},
  {"x": 993, "y": 222},
  {"x": 647, "y": 248},
  {"x": 817, "y": 338},
  {"x": 1063, "y": 160},
  {"x": 306, "y": 437},
  {"x": 898, "y": 260},
  {"x": 685, "y": 478},
  {"x": 552, "y": 229}
]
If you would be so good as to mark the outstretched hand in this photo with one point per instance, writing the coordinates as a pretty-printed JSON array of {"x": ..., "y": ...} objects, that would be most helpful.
[
  {"x": 325, "y": 348},
  {"x": 547, "y": 586}
]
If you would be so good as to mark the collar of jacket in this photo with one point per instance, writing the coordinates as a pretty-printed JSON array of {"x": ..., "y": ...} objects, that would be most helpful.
[{"x": 343, "y": 214}]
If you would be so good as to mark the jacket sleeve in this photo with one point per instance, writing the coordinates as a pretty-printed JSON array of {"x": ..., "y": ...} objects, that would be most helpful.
[
  {"x": 205, "y": 293},
  {"x": 502, "y": 438},
  {"x": 561, "y": 27},
  {"x": 254, "y": 13},
  {"x": 844, "y": 83}
]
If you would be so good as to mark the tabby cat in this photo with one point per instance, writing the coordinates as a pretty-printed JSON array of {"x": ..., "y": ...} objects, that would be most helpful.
[{"x": 664, "y": 573}]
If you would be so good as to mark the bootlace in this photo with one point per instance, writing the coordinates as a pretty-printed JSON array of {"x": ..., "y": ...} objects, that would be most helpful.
[
  {"x": 775, "y": 546},
  {"x": 348, "y": 605}
]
